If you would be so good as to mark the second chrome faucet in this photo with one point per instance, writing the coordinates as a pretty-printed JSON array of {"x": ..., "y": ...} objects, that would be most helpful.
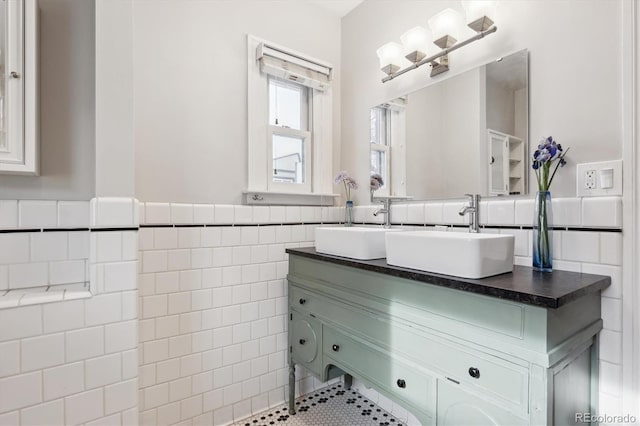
[
  {"x": 473, "y": 211},
  {"x": 385, "y": 210}
]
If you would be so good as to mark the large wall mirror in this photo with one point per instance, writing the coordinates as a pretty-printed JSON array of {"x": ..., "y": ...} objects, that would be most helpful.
[{"x": 465, "y": 134}]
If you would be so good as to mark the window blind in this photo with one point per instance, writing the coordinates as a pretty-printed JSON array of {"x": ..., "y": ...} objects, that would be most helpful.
[{"x": 293, "y": 67}]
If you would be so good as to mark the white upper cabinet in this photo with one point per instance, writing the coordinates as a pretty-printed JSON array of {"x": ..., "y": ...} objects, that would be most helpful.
[{"x": 19, "y": 87}]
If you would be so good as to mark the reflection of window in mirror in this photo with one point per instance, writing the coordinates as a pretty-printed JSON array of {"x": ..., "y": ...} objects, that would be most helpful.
[
  {"x": 289, "y": 134},
  {"x": 387, "y": 152},
  {"x": 379, "y": 139}
]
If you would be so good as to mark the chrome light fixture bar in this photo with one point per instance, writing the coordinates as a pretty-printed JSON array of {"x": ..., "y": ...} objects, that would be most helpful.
[
  {"x": 438, "y": 67},
  {"x": 444, "y": 32}
]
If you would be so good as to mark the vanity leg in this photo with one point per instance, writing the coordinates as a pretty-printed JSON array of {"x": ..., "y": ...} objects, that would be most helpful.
[
  {"x": 292, "y": 388},
  {"x": 348, "y": 381}
]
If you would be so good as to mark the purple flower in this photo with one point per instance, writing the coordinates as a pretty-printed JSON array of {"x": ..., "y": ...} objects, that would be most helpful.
[
  {"x": 348, "y": 182},
  {"x": 376, "y": 182},
  {"x": 340, "y": 177},
  {"x": 547, "y": 153},
  {"x": 351, "y": 183}
]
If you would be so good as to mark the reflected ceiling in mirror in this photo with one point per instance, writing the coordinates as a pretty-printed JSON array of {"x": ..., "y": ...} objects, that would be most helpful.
[{"x": 466, "y": 134}]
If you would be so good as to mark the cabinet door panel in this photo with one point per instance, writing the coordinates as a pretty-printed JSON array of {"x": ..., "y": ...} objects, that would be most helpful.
[
  {"x": 499, "y": 163},
  {"x": 305, "y": 341},
  {"x": 457, "y": 407}
]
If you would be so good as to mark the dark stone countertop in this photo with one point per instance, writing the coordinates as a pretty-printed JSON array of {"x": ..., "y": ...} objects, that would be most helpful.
[{"x": 524, "y": 285}]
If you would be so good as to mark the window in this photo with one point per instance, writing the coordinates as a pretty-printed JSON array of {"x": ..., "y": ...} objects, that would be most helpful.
[
  {"x": 289, "y": 135},
  {"x": 289, "y": 126},
  {"x": 380, "y": 128},
  {"x": 387, "y": 135}
]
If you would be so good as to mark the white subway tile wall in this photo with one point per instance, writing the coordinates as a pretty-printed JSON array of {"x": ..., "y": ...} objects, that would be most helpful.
[
  {"x": 211, "y": 338},
  {"x": 41, "y": 259},
  {"x": 113, "y": 212},
  {"x": 71, "y": 362},
  {"x": 213, "y": 299},
  {"x": 213, "y": 317}
]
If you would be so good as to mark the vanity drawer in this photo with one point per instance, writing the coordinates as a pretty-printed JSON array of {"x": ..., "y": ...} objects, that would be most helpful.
[
  {"x": 305, "y": 301},
  {"x": 498, "y": 379},
  {"x": 392, "y": 375},
  {"x": 305, "y": 340}
]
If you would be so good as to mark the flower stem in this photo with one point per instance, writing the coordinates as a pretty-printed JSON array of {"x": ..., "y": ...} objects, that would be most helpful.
[{"x": 558, "y": 164}]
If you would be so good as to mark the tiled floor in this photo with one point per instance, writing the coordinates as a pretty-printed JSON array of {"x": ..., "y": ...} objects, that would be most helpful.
[{"x": 329, "y": 406}]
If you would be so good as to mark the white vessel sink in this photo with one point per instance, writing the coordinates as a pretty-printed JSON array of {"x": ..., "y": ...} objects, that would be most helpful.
[
  {"x": 354, "y": 242},
  {"x": 465, "y": 255}
]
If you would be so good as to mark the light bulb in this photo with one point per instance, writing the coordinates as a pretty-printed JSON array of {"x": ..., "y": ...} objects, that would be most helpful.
[
  {"x": 444, "y": 27},
  {"x": 416, "y": 41},
  {"x": 390, "y": 56},
  {"x": 481, "y": 14}
]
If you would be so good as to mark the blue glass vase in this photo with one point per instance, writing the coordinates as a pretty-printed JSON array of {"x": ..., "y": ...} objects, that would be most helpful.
[
  {"x": 348, "y": 213},
  {"x": 542, "y": 233}
]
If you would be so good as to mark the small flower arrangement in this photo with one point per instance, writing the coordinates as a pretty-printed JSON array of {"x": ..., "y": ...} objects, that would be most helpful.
[
  {"x": 348, "y": 182},
  {"x": 549, "y": 156},
  {"x": 376, "y": 182},
  {"x": 548, "y": 153}
]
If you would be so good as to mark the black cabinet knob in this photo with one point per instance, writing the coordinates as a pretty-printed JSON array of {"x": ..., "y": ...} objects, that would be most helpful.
[
  {"x": 474, "y": 372},
  {"x": 401, "y": 383},
  {"x": 302, "y": 341},
  {"x": 302, "y": 301},
  {"x": 335, "y": 348}
]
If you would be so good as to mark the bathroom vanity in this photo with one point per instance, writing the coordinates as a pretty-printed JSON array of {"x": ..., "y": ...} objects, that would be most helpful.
[{"x": 515, "y": 349}]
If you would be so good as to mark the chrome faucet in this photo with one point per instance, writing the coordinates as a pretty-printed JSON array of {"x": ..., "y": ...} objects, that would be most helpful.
[
  {"x": 473, "y": 208},
  {"x": 385, "y": 210}
]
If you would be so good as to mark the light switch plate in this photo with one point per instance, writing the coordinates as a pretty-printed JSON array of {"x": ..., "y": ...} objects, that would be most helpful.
[{"x": 590, "y": 185}]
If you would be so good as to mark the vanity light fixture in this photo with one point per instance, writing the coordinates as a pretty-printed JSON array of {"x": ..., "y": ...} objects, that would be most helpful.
[
  {"x": 390, "y": 56},
  {"x": 444, "y": 28}
]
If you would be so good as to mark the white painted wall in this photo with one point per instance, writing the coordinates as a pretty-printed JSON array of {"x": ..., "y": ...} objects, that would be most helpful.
[
  {"x": 571, "y": 98},
  {"x": 500, "y": 108},
  {"x": 67, "y": 106},
  {"x": 443, "y": 124},
  {"x": 190, "y": 68},
  {"x": 115, "y": 146}
]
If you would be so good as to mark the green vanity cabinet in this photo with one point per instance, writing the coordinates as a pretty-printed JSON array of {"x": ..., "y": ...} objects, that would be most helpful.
[
  {"x": 451, "y": 351},
  {"x": 457, "y": 407}
]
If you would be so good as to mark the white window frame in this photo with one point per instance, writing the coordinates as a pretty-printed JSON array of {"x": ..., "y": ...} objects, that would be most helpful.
[
  {"x": 19, "y": 152},
  {"x": 305, "y": 186},
  {"x": 318, "y": 188},
  {"x": 386, "y": 149}
]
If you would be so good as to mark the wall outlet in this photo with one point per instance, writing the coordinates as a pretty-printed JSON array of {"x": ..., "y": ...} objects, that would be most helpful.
[
  {"x": 590, "y": 179},
  {"x": 599, "y": 179}
]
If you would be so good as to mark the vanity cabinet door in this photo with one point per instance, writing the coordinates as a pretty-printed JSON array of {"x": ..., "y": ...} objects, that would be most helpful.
[
  {"x": 305, "y": 336},
  {"x": 457, "y": 407}
]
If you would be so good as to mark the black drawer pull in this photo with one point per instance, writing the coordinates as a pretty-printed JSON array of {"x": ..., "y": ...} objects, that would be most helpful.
[
  {"x": 474, "y": 372},
  {"x": 401, "y": 383},
  {"x": 302, "y": 341},
  {"x": 335, "y": 348},
  {"x": 302, "y": 301}
]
